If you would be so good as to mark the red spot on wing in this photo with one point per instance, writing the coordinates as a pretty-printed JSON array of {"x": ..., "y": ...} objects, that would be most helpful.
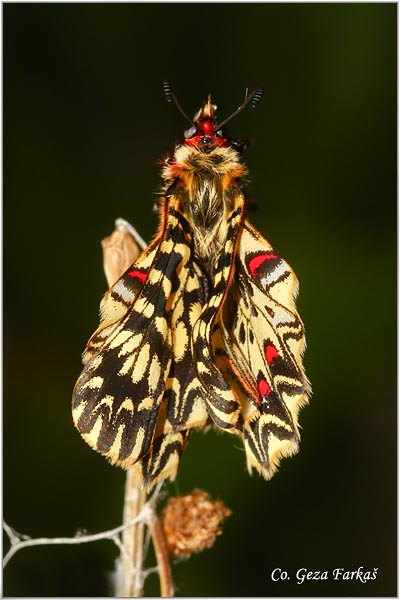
[
  {"x": 263, "y": 388},
  {"x": 256, "y": 262},
  {"x": 138, "y": 274},
  {"x": 271, "y": 353}
]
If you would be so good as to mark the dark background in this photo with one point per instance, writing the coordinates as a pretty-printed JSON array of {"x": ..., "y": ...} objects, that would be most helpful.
[{"x": 85, "y": 122}]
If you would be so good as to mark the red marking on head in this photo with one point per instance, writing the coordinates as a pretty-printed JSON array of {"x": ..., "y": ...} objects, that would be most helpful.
[
  {"x": 206, "y": 126},
  {"x": 202, "y": 137},
  {"x": 271, "y": 353},
  {"x": 263, "y": 388},
  {"x": 256, "y": 262},
  {"x": 205, "y": 134},
  {"x": 138, "y": 274}
]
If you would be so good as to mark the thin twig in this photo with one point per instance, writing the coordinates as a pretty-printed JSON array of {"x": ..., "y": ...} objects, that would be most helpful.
[
  {"x": 20, "y": 541},
  {"x": 160, "y": 547}
]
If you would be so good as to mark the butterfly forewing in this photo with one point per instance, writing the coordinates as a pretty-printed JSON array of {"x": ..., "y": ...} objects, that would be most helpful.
[
  {"x": 118, "y": 301},
  {"x": 141, "y": 383}
]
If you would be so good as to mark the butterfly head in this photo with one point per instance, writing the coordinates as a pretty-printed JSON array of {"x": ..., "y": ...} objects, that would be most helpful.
[{"x": 205, "y": 131}]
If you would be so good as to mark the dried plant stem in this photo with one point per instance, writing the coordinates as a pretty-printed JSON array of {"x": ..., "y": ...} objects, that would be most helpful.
[
  {"x": 120, "y": 249},
  {"x": 130, "y": 572}
]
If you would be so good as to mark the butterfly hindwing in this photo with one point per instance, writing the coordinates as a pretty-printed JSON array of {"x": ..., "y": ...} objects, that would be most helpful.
[
  {"x": 222, "y": 404},
  {"x": 262, "y": 341}
]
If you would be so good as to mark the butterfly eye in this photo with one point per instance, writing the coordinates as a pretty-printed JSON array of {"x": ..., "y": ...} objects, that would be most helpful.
[{"x": 189, "y": 133}]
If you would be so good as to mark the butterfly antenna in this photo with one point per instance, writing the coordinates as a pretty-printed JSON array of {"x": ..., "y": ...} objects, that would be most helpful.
[
  {"x": 253, "y": 99},
  {"x": 170, "y": 95}
]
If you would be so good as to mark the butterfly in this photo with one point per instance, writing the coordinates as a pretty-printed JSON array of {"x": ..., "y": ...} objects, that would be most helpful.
[{"x": 202, "y": 328}]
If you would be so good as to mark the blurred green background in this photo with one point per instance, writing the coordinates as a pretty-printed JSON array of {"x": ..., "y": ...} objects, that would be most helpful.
[{"x": 85, "y": 122}]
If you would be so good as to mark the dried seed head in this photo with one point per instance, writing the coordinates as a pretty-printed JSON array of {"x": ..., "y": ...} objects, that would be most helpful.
[
  {"x": 192, "y": 523},
  {"x": 119, "y": 251}
]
